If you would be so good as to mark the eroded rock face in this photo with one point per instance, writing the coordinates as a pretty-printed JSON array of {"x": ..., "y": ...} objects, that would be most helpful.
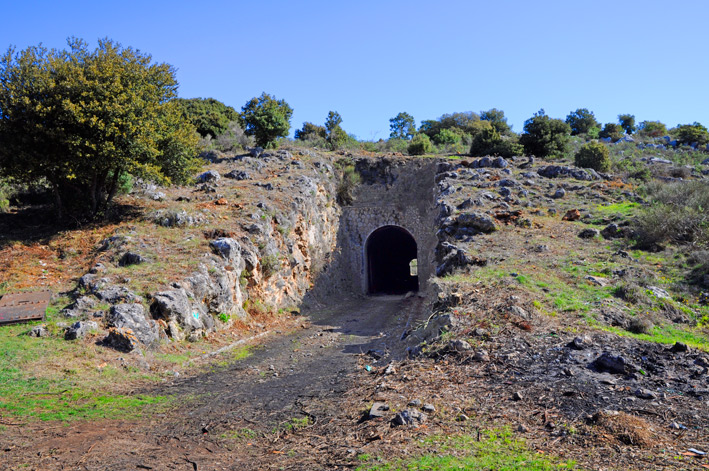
[
  {"x": 175, "y": 306},
  {"x": 132, "y": 316}
]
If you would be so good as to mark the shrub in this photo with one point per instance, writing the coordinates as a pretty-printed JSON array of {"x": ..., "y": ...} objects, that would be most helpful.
[
  {"x": 310, "y": 131},
  {"x": 593, "y": 155},
  {"x": 420, "y": 144},
  {"x": 490, "y": 142},
  {"x": 448, "y": 136},
  {"x": 267, "y": 119},
  {"x": 234, "y": 138},
  {"x": 652, "y": 129},
  {"x": 581, "y": 121},
  {"x": 345, "y": 190},
  {"x": 269, "y": 265},
  {"x": 613, "y": 131},
  {"x": 544, "y": 136},
  {"x": 689, "y": 134},
  {"x": 211, "y": 117},
  {"x": 677, "y": 214}
]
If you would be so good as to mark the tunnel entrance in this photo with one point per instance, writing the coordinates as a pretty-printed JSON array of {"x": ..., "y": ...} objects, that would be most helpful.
[{"x": 391, "y": 261}]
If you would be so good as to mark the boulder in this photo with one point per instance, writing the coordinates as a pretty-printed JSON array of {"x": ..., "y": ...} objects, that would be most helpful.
[
  {"x": 121, "y": 339},
  {"x": 409, "y": 417},
  {"x": 589, "y": 233},
  {"x": 559, "y": 193},
  {"x": 238, "y": 175},
  {"x": 131, "y": 258},
  {"x": 80, "y": 329},
  {"x": 614, "y": 364},
  {"x": 38, "y": 331},
  {"x": 174, "y": 305},
  {"x": 113, "y": 294},
  {"x": 132, "y": 316},
  {"x": 208, "y": 176},
  {"x": 499, "y": 162},
  {"x": 226, "y": 247},
  {"x": 478, "y": 221}
]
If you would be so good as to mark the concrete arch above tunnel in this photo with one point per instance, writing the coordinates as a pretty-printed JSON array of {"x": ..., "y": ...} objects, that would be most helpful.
[{"x": 391, "y": 255}]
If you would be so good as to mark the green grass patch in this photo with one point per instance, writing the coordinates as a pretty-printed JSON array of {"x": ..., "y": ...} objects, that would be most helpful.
[
  {"x": 32, "y": 385},
  {"x": 668, "y": 334},
  {"x": 614, "y": 211},
  {"x": 498, "y": 450}
]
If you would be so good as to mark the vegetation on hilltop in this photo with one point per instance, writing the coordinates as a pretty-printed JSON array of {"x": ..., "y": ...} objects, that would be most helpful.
[{"x": 83, "y": 121}]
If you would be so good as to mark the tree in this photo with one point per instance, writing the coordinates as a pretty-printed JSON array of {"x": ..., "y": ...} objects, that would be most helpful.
[
  {"x": 613, "y": 131},
  {"x": 83, "y": 120},
  {"x": 468, "y": 122},
  {"x": 210, "y": 117},
  {"x": 402, "y": 126},
  {"x": 581, "y": 121},
  {"x": 593, "y": 155},
  {"x": 490, "y": 142},
  {"x": 267, "y": 119},
  {"x": 544, "y": 136},
  {"x": 652, "y": 129},
  {"x": 497, "y": 119},
  {"x": 336, "y": 136},
  {"x": 420, "y": 144},
  {"x": 689, "y": 134},
  {"x": 627, "y": 122},
  {"x": 310, "y": 131}
]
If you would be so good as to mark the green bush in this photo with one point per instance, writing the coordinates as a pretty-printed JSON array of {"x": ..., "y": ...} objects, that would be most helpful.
[
  {"x": 336, "y": 136},
  {"x": 544, "y": 136},
  {"x": 348, "y": 182},
  {"x": 420, "y": 145},
  {"x": 691, "y": 134},
  {"x": 581, "y": 121},
  {"x": 211, "y": 117},
  {"x": 678, "y": 214},
  {"x": 593, "y": 155},
  {"x": 613, "y": 131},
  {"x": 310, "y": 131},
  {"x": 652, "y": 129},
  {"x": 267, "y": 119},
  {"x": 490, "y": 142},
  {"x": 448, "y": 136}
]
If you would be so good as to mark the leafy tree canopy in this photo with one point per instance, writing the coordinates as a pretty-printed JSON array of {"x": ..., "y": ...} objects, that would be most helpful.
[
  {"x": 627, "y": 122},
  {"x": 490, "y": 142},
  {"x": 581, "y": 121},
  {"x": 544, "y": 136},
  {"x": 652, "y": 129},
  {"x": 209, "y": 116},
  {"x": 336, "y": 136},
  {"x": 613, "y": 131},
  {"x": 691, "y": 134},
  {"x": 465, "y": 121},
  {"x": 402, "y": 126},
  {"x": 82, "y": 120},
  {"x": 310, "y": 131},
  {"x": 266, "y": 118},
  {"x": 497, "y": 119}
]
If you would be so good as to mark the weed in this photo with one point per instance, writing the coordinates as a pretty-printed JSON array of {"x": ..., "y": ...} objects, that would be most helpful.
[
  {"x": 224, "y": 317},
  {"x": 496, "y": 449}
]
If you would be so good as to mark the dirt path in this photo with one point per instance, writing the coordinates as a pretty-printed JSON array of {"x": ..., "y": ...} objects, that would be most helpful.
[{"x": 230, "y": 417}]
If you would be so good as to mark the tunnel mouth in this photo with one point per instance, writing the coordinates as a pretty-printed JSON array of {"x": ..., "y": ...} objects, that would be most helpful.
[{"x": 391, "y": 261}]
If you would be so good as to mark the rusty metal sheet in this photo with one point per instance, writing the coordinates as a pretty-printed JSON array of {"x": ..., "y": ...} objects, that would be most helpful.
[{"x": 23, "y": 307}]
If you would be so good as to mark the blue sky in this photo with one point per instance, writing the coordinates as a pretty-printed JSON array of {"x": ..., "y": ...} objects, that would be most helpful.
[{"x": 369, "y": 60}]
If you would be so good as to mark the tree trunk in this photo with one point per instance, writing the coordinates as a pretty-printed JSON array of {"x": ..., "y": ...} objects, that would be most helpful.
[{"x": 59, "y": 210}]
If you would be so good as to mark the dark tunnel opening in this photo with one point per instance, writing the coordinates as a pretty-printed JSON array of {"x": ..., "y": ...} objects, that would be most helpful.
[{"x": 391, "y": 261}]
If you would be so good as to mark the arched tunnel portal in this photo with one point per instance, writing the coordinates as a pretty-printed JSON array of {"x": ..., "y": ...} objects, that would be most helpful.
[{"x": 391, "y": 261}]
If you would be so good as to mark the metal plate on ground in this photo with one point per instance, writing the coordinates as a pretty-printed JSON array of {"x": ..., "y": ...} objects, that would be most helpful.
[{"x": 23, "y": 307}]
